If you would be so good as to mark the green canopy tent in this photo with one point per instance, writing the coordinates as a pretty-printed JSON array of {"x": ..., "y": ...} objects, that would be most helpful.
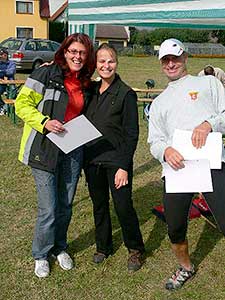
[{"x": 84, "y": 15}]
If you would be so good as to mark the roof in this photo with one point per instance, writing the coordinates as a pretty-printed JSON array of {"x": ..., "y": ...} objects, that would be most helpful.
[
  {"x": 205, "y": 48},
  {"x": 59, "y": 11},
  {"x": 164, "y": 13},
  {"x": 111, "y": 31},
  {"x": 55, "y": 5},
  {"x": 44, "y": 9}
]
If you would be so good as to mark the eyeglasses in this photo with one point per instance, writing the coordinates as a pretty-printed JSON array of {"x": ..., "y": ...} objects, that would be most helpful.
[{"x": 76, "y": 52}]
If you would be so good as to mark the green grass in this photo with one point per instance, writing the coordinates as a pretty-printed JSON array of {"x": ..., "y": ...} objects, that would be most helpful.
[{"x": 111, "y": 279}]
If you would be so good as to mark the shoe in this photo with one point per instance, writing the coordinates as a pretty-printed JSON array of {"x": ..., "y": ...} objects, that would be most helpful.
[
  {"x": 99, "y": 257},
  {"x": 134, "y": 260},
  {"x": 65, "y": 261},
  {"x": 2, "y": 112},
  {"x": 41, "y": 268},
  {"x": 179, "y": 278}
]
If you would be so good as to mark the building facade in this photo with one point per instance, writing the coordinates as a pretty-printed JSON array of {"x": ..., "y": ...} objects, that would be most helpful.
[{"x": 27, "y": 18}]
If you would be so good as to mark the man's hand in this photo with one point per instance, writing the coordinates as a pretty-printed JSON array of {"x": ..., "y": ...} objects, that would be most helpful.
[
  {"x": 200, "y": 134},
  {"x": 54, "y": 126},
  {"x": 174, "y": 158},
  {"x": 121, "y": 178}
]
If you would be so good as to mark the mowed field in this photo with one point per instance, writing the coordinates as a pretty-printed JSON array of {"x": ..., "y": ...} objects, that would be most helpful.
[{"x": 109, "y": 280}]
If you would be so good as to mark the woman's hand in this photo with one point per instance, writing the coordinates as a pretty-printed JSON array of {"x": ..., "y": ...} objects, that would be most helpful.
[
  {"x": 121, "y": 178},
  {"x": 54, "y": 126},
  {"x": 47, "y": 64}
]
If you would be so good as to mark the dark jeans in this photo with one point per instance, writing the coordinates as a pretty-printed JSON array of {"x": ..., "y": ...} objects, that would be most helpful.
[
  {"x": 2, "y": 90},
  {"x": 55, "y": 197},
  {"x": 100, "y": 179},
  {"x": 11, "y": 92},
  {"x": 177, "y": 206}
]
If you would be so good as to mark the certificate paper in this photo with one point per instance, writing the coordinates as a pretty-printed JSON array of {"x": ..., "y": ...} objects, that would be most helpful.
[
  {"x": 195, "y": 177},
  {"x": 77, "y": 132},
  {"x": 211, "y": 151}
]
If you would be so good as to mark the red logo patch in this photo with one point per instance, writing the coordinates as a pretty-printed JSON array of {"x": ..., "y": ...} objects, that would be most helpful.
[{"x": 194, "y": 95}]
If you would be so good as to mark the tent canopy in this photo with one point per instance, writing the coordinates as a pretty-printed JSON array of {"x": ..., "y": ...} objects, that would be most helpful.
[{"x": 82, "y": 15}]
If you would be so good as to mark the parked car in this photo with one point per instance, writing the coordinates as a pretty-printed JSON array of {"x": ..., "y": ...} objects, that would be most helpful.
[{"x": 29, "y": 54}]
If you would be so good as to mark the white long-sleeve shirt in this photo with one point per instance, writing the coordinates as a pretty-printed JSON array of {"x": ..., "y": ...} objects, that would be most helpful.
[{"x": 185, "y": 104}]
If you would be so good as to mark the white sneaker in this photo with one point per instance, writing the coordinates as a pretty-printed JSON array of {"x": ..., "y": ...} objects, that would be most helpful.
[
  {"x": 2, "y": 112},
  {"x": 41, "y": 268},
  {"x": 65, "y": 261}
]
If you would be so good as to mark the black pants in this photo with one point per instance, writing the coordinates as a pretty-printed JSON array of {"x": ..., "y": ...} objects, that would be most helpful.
[
  {"x": 177, "y": 206},
  {"x": 99, "y": 180}
]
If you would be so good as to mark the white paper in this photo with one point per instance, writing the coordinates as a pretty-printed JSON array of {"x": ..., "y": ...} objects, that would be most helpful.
[
  {"x": 211, "y": 151},
  {"x": 195, "y": 177},
  {"x": 77, "y": 132}
]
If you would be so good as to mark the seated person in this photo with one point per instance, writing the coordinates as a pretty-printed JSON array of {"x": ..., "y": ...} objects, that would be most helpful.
[
  {"x": 7, "y": 71},
  {"x": 217, "y": 72}
]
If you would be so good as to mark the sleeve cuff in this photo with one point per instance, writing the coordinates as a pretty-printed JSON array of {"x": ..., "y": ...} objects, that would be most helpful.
[{"x": 43, "y": 122}]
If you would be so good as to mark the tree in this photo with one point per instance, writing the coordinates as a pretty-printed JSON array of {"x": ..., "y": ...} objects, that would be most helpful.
[
  {"x": 133, "y": 35},
  {"x": 157, "y": 36},
  {"x": 57, "y": 31}
]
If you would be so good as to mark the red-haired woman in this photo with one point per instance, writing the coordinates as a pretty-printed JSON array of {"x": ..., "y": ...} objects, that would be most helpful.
[{"x": 51, "y": 96}]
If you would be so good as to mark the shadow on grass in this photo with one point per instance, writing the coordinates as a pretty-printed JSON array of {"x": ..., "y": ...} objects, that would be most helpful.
[
  {"x": 150, "y": 195},
  {"x": 83, "y": 242},
  {"x": 156, "y": 236},
  {"x": 83, "y": 199},
  {"x": 144, "y": 200},
  {"x": 153, "y": 242},
  {"x": 151, "y": 164},
  {"x": 207, "y": 241}
]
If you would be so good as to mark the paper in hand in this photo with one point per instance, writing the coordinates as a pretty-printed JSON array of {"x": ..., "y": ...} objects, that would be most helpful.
[
  {"x": 195, "y": 177},
  {"x": 77, "y": 132},
  {"x": 211, "y": 151}
]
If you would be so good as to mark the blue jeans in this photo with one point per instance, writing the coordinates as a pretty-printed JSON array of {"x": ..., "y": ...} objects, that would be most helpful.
[{"x": 55, "y": 197}]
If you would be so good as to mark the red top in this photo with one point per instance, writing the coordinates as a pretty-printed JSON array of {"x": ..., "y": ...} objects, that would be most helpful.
[{"x": 76, "y": 97}]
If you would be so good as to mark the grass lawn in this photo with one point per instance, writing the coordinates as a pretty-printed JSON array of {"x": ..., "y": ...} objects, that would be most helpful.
[{"x": 111, "y": 279}]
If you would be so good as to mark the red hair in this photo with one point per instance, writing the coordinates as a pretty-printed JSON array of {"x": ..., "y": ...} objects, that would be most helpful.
[{"x": 89, "y": 67}]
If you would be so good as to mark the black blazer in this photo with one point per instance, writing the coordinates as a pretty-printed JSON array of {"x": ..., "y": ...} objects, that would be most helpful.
[{"x": 115, "y": 115}]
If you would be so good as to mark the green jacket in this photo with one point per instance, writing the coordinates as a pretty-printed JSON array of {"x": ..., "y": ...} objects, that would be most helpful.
[{"x": 43, "y": 97}]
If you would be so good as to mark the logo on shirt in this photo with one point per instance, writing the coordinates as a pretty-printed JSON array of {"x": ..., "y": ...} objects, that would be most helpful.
[
  {"x": 194, "y": 95},
  {"x": 37, "y": 158}
]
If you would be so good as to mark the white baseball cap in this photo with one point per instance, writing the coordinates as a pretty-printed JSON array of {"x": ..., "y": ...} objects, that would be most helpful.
[{"x": 171, "y": 47}]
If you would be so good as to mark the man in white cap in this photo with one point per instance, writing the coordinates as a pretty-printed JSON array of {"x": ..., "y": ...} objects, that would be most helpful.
[{"x": 188, "y": 103}]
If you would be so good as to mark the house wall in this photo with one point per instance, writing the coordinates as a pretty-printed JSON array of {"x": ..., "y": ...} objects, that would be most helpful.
[{"x": 9, "y": 20}]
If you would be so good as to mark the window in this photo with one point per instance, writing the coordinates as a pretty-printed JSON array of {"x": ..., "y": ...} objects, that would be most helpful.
[
  {"x": 11, "y": 44},
  {"x": 117, "y": 44},
  {"x": 23, "y": 7},
  {"x": 44, "y": 46},
  {"x": 24, "y": 32},
  {"x": 31, "y": 46},
  {"x": 55, "y": 46}
]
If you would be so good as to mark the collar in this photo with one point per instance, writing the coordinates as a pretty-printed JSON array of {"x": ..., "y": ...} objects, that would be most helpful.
[
  {"x": 112, "y": 89},
  {"x": 178, "y": 81}
]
